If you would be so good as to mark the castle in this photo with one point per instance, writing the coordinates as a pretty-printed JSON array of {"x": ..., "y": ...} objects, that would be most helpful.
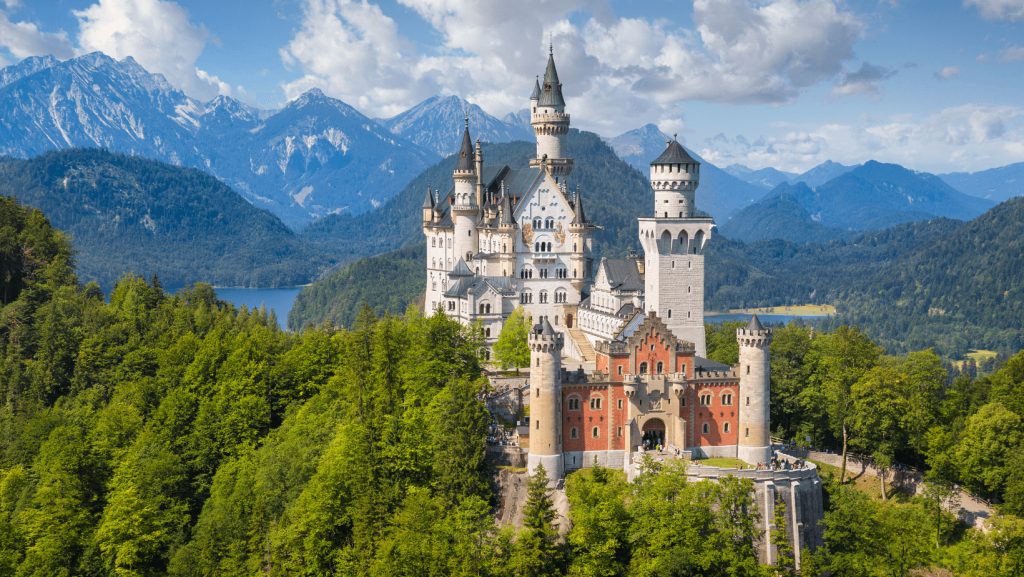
[
  {"x": 634, "y": 329},
  {"x": 617, "y": 351}
]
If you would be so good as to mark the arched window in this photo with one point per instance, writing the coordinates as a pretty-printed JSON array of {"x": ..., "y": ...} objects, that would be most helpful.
[
  {"x": 660, "y": 367},
  {"x": 536, "y": 223},
  {"x": 705, "y": 399},
  {"x": 705, "y": 428},
  {"x": 596, "y": 432},
  {"x": 574, "y": 403},
  {"x": 595, "y": 403},
  {"x": 543, "y": 297},
  {"x": 726, "y": 398},
  {"x": 572, "y": 433},
  {"x": 643, "y": 368},
  {"x": 725, "y": 427}
]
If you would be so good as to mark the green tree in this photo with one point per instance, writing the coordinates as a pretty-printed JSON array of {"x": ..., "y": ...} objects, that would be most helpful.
[
  {"x": 991, "y": 437},
  {"x": 536, "y": 551},
  {"x": 598, "y": 540},
  {"x": 512, "y": 348},
  {"x": 838, "y": 360}
]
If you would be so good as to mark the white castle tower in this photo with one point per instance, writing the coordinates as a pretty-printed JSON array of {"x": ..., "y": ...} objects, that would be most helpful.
[
  {"x": 546, "y": 400},
  {"x": 754, "y": 444},
  {"x": 673, "y": 241},
  {"x": 465, "y": 210},
  {"x": 550, "y": 122}
]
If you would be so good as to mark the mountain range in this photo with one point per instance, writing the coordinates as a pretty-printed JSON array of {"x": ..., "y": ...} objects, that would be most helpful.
[
  {"x": 869, "y": 197},
  {"x": 436, "y": 124}
]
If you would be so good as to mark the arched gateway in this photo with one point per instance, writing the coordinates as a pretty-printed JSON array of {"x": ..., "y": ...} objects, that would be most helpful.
[{"x": 653, "y": 434}]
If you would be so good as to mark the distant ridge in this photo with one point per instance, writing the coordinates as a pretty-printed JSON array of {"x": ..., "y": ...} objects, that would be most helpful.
[{"x": 436, "y": 123}]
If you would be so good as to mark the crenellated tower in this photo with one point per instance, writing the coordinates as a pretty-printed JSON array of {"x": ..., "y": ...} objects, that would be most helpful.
[
  {"x": 673, "y": 240},
  {"x": 754, "y": 444},
  {"x": 465, "y": 207},
  {"x": 546, "y": 400},
  {"x": 550, "y": 122}
]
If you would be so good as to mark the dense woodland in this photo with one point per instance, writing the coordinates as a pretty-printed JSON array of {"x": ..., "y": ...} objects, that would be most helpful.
[{"x": 160, "y": 434}]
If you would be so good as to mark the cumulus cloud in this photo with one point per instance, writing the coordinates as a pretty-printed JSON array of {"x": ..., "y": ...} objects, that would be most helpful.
[
  {"x": 967, "y": 137},
  {"x": 999, "y": 9},
  {"x": 157, "y": 33},
  {"x": 738, "y": 51},
  {"x": 23, "y": 39},
  {"x": 948, "y": 72},
  {"x": 863, "y": 80}
]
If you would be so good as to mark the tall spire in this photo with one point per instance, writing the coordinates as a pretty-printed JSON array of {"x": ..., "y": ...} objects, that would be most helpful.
[
  {"x": 466, "y": 157},
  {"x": 551, "y": 94},
  {"x": 536, "y": 89},
  {"x": 580, "y": 217},
  {"x": 428, "y": 200}
]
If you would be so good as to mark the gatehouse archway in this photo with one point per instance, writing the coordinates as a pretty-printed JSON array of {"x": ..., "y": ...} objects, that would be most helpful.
[{"x": 653, "y": 434}]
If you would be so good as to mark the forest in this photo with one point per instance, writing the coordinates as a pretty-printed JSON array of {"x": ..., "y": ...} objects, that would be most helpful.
[{"x": 172, "y": 434}]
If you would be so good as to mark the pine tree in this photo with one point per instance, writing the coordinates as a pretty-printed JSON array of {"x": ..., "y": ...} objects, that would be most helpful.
[{"x": 536, "y": 552}]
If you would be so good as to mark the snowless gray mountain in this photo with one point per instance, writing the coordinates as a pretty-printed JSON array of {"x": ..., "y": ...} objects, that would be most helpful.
[
  {"x": 720, "y": 193},
  {"x": 315, "y": 156},
  {"x": 437, "y": 122}
]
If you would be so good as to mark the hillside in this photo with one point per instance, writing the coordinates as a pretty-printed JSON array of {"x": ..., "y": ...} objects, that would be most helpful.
[
  {"x": 338, "y": 297},
  {"x": 781, "y": 215},
  {"x": 127, "y": 214}
]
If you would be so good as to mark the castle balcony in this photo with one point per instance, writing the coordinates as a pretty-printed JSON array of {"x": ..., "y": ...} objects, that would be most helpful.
[{"x": 557, "y": 118}]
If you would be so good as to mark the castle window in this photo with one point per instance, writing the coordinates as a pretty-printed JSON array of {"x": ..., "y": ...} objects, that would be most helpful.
[
  {"x": 538, "y": 425},
  {"x": 725, "y": 427},
  {"x": 487, "y": 333},
  {"x": 596, "y": 432},
  {"x": 643, "y": 368},
  {"x": 705, "y": 399},
  {"x": 727, "y": 399},
  {"x": 669, "y": 313},
  {"x": 536, "y": 223},
  {"x": 433, "y": 242},
  {"x": 705, "y": 428},
  {"x": 619, "y": 432},
  {"x": 620, "y": 369},
  {"x": 595, "y": 403},
  {"x": 574, "y": 403},
  {"x": 619, "y": 404},
  {"x": 543, "y": 295},
  {"x": 682, "y": 401},
  {"x": 451, "y": 305},
  {"x": 746, "y": 432},
  {"x": 660, "y": 367},
  {"x": 572, "y": 433},
  {"x": 748, "y": 401},
  {"x": 748, "y": 369}
]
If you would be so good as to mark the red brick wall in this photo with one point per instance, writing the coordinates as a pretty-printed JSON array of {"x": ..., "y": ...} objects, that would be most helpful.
[
  {"x": 608, "y": 419},
  {"x": 715, "y": 415}
]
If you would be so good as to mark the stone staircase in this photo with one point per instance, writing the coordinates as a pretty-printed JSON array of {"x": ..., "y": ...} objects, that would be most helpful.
[{"x": 586, "y": 349}]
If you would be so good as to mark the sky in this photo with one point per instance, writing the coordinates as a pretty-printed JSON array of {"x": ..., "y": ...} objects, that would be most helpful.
[{"x": 935, "y": 85}]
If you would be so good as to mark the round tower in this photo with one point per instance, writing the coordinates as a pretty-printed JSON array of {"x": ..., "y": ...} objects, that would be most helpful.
[
  {"x": 674, "y": 178},
  {"x": 755, "y": 444},
  {"x": 546, "y": 400},
  {"x": 465, "y": 210},
  {"x": 550, "y": 122}
]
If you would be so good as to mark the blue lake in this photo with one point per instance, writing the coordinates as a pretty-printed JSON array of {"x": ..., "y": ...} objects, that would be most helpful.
[{"x": 280, "y": 300}]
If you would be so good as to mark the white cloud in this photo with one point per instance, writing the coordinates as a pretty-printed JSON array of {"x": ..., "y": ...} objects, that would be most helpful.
[
  {"x": 156, "y": 33},
  {"x": 968, "y": 137},
  {"x": 617, "y": 71},
  {"x": 23, "y": 39},
  {"x": 998, "y": 9},
  {"x": 948, "y": 72}
]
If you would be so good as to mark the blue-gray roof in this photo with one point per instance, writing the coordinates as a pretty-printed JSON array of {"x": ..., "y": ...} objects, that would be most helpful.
[
  {"x": 551, "y": 93},
  {"x": 674, "y": 154}
]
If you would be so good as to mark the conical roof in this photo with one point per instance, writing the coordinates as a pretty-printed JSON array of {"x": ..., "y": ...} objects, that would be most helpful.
[
  {"x": 551, "y": 94},
  {"x": 755, "y": 324},
  {"x": 546, "y": 328},
  {"x": 674, "y": 154},
  {"x": 580, "y": 217},
  {"x": 428, "y": 200},
  {"x": 461, "y": 269},
  {"x": 536, "y": 89},
  {"x": 466, "y": 159}
]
